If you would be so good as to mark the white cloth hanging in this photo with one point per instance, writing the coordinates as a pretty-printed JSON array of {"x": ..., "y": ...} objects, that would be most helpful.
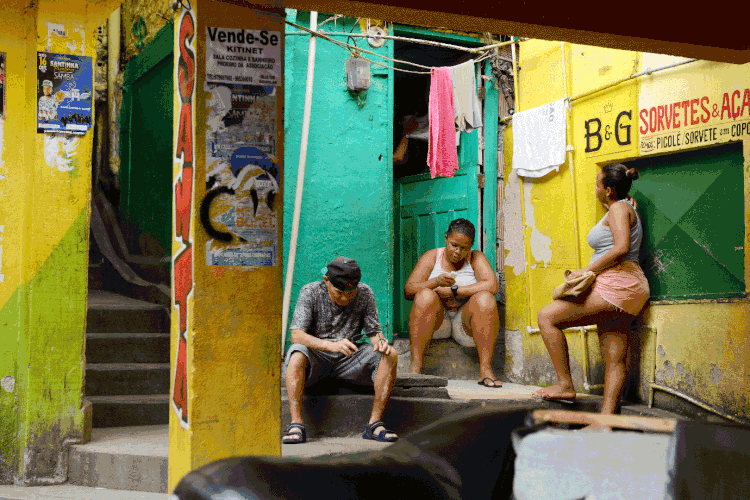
[
  {"x": 468, "y": 110},
  {"x": 539, "y": 139}
]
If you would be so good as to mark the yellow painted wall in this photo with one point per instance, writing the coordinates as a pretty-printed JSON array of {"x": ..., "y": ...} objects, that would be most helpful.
[
  {"x": 233, "y": 316},
  {"x": 547, "y": 219},
  {"x": 45, "y": 182}
]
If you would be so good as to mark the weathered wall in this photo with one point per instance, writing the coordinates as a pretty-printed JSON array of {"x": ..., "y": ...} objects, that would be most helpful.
[
  {"x": 546, "y": 220},
  {"x": 226, "y": 357},
  {"x": 141, "y": 21},
  {"x": 348, "y": 191},
  {"x": 45, "y": 182}
]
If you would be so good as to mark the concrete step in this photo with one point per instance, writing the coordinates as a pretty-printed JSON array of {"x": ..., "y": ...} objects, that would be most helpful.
[
  {"x": 127, "y": 348},
  {"x": 129, "y": 410},
  {"x": 135, "y": 458},
  {"x": 446, "y": 358},
  {"x": 72, "y": 492},
  {"x": 130, "y": 458},
  {"x": 112, "y": 313},
  {"x": 107, "y": 379},
  {"x": 407, "y": 385}
]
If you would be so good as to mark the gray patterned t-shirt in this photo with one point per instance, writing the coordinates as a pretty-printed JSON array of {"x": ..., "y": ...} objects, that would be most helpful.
[{"x": 317, "y": 315}]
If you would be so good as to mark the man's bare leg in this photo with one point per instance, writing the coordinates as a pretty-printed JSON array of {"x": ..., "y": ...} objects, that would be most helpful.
[
  {"x": 295, "y": 386},
  {"x": 385, "y": 379}
]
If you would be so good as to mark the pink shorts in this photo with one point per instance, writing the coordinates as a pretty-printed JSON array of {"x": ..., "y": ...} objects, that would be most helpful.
[{"x": 624, "y": 286}]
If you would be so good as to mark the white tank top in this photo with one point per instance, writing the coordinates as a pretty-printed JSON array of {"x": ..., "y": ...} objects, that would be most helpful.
[{"x": 464, "y": 276}]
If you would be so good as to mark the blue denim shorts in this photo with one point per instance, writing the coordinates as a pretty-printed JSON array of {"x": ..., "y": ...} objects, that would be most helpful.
[{"x": 359, "y": 368}]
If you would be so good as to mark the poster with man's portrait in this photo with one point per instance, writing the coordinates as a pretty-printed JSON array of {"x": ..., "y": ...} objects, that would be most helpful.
[
  {"x": 64, "y": 93},
  {"x": 2, "y": 84}
]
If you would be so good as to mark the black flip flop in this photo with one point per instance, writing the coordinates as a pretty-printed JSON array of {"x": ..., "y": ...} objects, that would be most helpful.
[{"x": 493, "y": 380}]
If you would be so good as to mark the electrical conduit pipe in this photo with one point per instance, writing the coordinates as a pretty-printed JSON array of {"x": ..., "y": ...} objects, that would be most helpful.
[{"x": 300, "y": 180}]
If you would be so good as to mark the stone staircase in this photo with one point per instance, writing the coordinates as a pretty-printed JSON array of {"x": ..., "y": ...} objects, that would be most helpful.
[{"x": 127, "y": 361}]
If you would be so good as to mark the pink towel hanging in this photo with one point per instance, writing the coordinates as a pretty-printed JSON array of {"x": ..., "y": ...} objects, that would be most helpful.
[{"x": 442, "y": 157}]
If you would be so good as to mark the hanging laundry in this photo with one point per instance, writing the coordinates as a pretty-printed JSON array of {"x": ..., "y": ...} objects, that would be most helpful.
[
  {"x": 442, "y": 156},
  {"x": 539, "y": 139},
  {"x": 468, "y": 110}
]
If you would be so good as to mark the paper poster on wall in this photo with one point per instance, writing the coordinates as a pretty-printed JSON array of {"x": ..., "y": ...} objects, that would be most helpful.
[
  {"x": 240, "y": 56},
  {"x": 64, "y": 93},
  {"x": 239, "y": 212},
  {"x": 2, "y": 84}
]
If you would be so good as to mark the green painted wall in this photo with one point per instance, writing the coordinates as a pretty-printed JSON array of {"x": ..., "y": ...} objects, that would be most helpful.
[
  {"x": 11, "y": 325},
  {"x": 45, "y": 322},
  {"x": 346, "y": 206}
]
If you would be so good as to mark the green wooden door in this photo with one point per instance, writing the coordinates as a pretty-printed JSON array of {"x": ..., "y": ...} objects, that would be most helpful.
[{"x": 146, "y": 139}]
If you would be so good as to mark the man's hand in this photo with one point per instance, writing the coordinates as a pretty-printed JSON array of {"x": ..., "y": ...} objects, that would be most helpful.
[
  {"x": 445, "y": 280},
  {"x": 343, "y": 346},
  {"x": 380, "y": 344},
  {"x": 444, "y": 292}
]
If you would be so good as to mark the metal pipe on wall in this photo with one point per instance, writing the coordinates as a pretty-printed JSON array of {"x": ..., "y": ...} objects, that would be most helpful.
[
  {"x": 647, "y": 71},
  {"x": 694, "y": 401},
  {"x": 113, "y": 68},
  {"x": 300, "y": 179}
]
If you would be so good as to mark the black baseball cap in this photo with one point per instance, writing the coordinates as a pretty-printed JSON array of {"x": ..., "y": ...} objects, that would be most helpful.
[{"x": 343, "y": 273}]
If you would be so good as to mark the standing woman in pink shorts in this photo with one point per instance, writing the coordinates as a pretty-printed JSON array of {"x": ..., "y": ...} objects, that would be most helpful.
[{"x": 616, "y": 298}]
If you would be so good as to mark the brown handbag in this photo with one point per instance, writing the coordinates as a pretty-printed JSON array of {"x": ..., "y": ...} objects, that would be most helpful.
[{"x": 575, "y": 287}]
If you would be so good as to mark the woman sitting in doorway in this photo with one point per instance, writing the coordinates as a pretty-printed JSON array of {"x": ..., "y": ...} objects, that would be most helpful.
[
  {"x": 616, "y": 297},
  {"x": 454, "y": 289}
]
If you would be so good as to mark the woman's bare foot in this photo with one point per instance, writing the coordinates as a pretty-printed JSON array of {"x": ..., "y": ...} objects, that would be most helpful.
[
  {"x": 598, "y": 427},
  {"x": 415, "y": 368},
  {"x": 557, "y": 391}
]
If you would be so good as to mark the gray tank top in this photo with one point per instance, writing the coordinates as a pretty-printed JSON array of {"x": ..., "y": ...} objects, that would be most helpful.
[{"x": 600, "y": 238}]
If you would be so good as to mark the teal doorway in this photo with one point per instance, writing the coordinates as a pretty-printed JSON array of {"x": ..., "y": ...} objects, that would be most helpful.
[{"x": 423, "y": 207}]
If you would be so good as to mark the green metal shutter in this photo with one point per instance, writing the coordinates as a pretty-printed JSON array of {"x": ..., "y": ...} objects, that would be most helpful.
[{"x": 692, "y": 206}]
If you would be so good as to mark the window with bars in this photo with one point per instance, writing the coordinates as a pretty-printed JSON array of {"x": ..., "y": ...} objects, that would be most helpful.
[{"x": 693, "y": 205}]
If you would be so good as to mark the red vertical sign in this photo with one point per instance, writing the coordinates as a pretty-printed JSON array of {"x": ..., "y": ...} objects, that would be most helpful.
[{"x": 182, "y": 261}]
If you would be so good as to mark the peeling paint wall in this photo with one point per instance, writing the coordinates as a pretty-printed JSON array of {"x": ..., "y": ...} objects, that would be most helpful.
[{"x": 694, "y": 348}]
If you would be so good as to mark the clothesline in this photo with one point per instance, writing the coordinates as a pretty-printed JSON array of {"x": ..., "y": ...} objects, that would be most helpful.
[
  {"x": 403, "y": 39},
  {"x": 356, "y": 50}
]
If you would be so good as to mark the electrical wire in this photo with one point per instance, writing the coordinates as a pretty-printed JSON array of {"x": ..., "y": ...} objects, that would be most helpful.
[
  {"x": 351, "y": 30},
  {"x": 356, "y": 51},
  {"x": 398, "y": 38}
]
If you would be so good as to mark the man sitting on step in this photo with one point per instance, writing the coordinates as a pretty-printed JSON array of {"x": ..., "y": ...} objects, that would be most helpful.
[{"x": 327, "y": 325}]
